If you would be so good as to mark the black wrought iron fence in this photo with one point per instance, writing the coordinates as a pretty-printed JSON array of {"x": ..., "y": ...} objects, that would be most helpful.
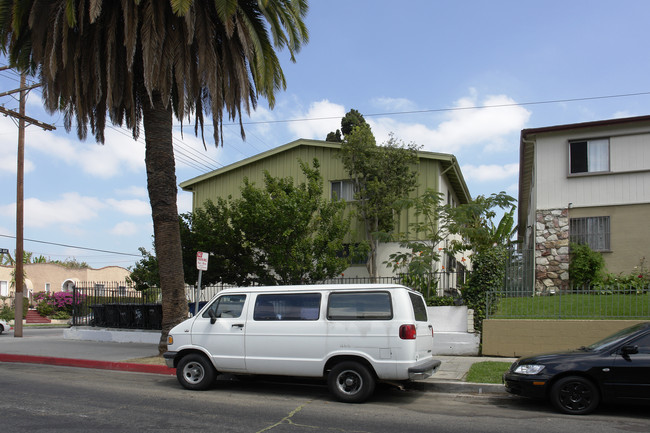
[
  {"x": 116, "y": 305},
  {"x": 120, "y": 305}
]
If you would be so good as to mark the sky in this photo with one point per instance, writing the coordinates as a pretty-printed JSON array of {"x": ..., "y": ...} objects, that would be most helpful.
[{"x": 429, "y": 71}]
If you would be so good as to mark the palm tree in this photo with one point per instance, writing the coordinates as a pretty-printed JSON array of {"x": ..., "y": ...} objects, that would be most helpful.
[{"x": 148, "y": 61}]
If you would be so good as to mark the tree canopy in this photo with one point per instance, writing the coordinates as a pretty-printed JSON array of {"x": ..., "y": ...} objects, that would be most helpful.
[
  {"x": 281, "y": 233},
  {"x": 141, "y": 62},
  {"x": 382, "y": 176}
]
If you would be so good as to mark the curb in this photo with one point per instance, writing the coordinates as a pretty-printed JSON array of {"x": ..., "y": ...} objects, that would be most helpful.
[
  {"x": 457, "y": 387},
  {"x": 435, "y": 386},
  {"x": 87, "y": 363}
]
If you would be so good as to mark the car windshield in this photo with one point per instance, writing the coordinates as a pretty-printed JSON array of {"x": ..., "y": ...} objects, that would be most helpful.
[{"x": 614, "y": 338}]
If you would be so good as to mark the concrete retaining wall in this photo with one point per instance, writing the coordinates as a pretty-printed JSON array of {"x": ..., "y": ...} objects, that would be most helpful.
[
  {"x": 529, "y": 337},
  {"x": 453, "y": 331}
]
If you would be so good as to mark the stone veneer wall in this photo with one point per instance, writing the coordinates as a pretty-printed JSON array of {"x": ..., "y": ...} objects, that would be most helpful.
[{"x": 552, "y": 250}]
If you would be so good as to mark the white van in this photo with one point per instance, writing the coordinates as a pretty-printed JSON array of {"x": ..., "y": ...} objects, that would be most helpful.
[{"x": 353, "y": 335}]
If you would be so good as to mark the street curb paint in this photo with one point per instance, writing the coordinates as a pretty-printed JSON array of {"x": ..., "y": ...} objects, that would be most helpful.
[{"x": 88, "y": 363}]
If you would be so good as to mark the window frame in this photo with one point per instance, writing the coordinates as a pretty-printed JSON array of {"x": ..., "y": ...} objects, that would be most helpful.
[
  {"x": 282, "y": 316},
  {"x": 347, "y": 197},
  {"x": 334, "y": 318},
  {"x": 584, "y": 237},
  {"x": 217, "y": 302},
  {"x": 587, "y": 171}
]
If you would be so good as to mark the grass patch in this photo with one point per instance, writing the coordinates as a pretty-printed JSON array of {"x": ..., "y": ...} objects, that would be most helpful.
[
  {"x": 487, "y": 372},
  {"x": 151, "y": 360},
  {"x": 596, "y": 305}
]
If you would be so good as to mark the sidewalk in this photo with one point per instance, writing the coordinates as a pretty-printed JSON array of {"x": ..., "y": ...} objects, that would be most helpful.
[{"x": 48, "y": 346}]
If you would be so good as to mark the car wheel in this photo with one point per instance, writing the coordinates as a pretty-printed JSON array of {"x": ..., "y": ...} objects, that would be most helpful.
[
  {"x": 575, "y": 395},
  {"x": 195, "y": 372},
  {"x": 351, "y": 382},
  {"x": 2, "y": 328}
]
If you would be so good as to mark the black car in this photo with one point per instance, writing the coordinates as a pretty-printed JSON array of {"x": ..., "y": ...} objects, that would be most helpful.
[{"x": 615, "y": 369}]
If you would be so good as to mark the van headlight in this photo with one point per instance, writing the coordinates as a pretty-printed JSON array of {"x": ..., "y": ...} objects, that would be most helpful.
[{"x": 529, "y": 369}]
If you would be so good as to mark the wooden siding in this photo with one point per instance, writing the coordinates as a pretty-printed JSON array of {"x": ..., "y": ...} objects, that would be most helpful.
[
  {"x": 283, "y": 161},
  {"x": 628, "y": 181}
]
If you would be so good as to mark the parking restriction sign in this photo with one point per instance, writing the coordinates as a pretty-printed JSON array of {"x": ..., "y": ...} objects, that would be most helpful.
[{"x": 202, "y": 261}]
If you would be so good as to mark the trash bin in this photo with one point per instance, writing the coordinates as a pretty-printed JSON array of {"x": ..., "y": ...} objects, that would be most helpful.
[
  {"x": 99, "y": 315},
  {"x": 112, "y": 316},
  {"x": 153, "y": 316},
  {"x": 191, "y": 305},
  {"x": 138, "y": 316},
  {"x": 125, "y": 315}
]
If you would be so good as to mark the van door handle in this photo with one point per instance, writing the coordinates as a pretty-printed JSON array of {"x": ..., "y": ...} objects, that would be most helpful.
[{"x": 238, "y": 325}]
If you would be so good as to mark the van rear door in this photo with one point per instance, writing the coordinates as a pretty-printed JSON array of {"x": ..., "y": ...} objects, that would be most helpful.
[{"x": 423, "y": 328}]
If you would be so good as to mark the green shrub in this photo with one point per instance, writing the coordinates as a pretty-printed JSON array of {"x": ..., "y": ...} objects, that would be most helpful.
[
  {"x": 440, "y": 301},
  {"x": 484, "y": 281},
  {"x": 586, "y": 266},
  {"x": 60, "y": 315},
  {"x": 6, "y": 313}
]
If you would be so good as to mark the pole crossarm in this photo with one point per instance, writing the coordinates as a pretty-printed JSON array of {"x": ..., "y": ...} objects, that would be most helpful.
[
  {"x": 27, "y": 119},
  {"x": 11, "y": 92}
]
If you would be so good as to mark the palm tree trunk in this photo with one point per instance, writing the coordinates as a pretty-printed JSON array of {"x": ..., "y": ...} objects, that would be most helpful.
[{"x": 161, "y": 183}]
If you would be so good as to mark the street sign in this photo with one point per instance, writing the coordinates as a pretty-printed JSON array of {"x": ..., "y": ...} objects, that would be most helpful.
[
  {"x": 4, "y": 251},
  {"x": 202, "y": 261}
]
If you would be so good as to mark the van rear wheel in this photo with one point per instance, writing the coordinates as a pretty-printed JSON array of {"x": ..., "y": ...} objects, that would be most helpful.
[
  {"x": 195, "y": 372},
  {"x": 351, "y": 382}
]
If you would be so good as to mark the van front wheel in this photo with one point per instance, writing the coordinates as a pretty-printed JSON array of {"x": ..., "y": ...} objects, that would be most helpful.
[
  {"x": 195, "y": 372},
  {"x": 351, "y": 382}
]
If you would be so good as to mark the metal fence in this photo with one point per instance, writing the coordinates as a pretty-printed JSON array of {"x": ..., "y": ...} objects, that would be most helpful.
[
  {"x": 598, "y": 302},
  {"x": 115, "y": 305},
  {"x": 119, "y": 305}
]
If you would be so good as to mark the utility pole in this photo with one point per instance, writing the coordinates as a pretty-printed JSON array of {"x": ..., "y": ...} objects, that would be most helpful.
[
  {"x": 20, "y": 176},
  {"x": 20, "y": 195}
]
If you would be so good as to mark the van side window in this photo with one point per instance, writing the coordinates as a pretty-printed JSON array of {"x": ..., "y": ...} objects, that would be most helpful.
[
  {"x": 419, "y": 309},
  {"x": 226, "y": 306},
  {"x": 360, "y": 306},
  {"x": 292, "y": 306}
]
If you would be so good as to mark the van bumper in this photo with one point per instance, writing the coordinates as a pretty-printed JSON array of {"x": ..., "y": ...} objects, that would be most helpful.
[
  {"x": 424, "y": 369},
  {"x": 169, "y": 358}
]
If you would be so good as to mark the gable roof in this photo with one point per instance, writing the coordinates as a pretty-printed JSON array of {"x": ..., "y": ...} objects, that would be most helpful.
[{"x": 448, "y": 162}]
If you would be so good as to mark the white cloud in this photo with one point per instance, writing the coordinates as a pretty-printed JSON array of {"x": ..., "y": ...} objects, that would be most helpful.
[
  {"x": 70, "y": 209},
  {"x": 9, "y": 164},
  {"x": 184, "y": 201},
  {"x": 483, "y": 173},
  {"x": 125, "y": 228},
  {"x": 135, "y": 191},
  {"x": 8, "y": 151},
  {"x": 330, "y": 114},
  {"x": 465, "y": 127},
  {"x": 119, "y": 153},
  {"x": 394, "y": 104},
  {"x": 130, "y": 207}
]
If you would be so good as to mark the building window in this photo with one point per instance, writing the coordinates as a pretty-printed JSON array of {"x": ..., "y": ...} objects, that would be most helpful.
[
  {"x": 343, "y": 189},
  {"x": 356, "y": 258},
  {"x": 591, "y": 231},
  {"x": 48, "y": 288},
  {"x": 4, "y": 288},
  {"x": 589, "y": 156}
]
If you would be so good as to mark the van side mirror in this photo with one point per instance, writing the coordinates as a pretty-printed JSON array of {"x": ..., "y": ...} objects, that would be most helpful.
[
  {"x": 629, "y": 350},
  {"x": 213, "y": 316}
]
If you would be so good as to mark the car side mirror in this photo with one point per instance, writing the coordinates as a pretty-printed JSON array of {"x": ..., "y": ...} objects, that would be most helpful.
[
  {"x": 213, "y": 316},
  {"x": 629, "y": 350}
]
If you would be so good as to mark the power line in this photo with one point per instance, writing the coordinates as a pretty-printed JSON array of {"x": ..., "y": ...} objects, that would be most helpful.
[
  {"x": 74, "y": 246},
  {"x": 441, "y": 110}
]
